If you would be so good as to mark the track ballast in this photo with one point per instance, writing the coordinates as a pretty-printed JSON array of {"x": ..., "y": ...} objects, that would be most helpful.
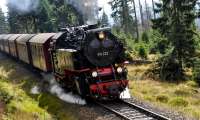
[{"x": 130, "y": 111}]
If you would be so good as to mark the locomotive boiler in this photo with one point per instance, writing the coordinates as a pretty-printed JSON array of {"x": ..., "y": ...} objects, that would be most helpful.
[{"x": 90, "y": 61}]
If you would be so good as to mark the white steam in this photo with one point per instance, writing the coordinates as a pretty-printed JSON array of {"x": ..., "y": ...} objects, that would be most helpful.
[
  {"x": 59, "y": 92},
  {"x": 125, "y": 94},
  {"x": 67, "y": 97},
  {"x": 35, "y": 90},
  {"x": 24, "y": 6},
  {"x": 87, "y": 8}
]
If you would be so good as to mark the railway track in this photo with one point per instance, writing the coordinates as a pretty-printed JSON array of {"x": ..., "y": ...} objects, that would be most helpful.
[{"x": 130, "y": 111}]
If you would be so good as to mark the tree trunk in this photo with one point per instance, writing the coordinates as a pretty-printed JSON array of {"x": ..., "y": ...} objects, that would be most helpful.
[
  {"x": 154, "y": 14},
  {"x": 141, "y": 13},
  {"x": 136, "y": 20},
  {"x": 125, "y": 16},
  {"x": 147, "y": 15}
]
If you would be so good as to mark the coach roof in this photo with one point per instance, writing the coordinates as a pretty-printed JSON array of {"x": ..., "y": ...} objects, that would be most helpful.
[
  {"x": 24, "y": 38},
  {"x": 14, "y": 37},
  {"x": 41, "y": 38}
]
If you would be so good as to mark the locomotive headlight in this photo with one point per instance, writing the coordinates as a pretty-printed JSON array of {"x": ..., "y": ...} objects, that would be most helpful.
[
  {"x": 101, "y": 35},
  {"x": 94, "y": 74},
  {"x": 119, "y": 70}
]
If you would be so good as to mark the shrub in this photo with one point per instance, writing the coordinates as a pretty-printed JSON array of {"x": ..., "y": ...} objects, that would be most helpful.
[
  {"x": 142, "y": 52},
  {"x": 192, "y": 83},
  {"x": 179, "y": 102},
  {"x": 162, "y": 98},
  {"x": 196, "y": 71},
  {"x": 145, "y": 37},
  {"x": 170, "y": 69},
  {"x": 5, "y": 97},
  {"x": 158, "y": 43},
  {"x": 182, "y": 92}
]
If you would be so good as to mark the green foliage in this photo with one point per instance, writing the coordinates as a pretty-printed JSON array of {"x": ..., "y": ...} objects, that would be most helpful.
[
  {"x": 5, "y": 97},
  {"x": 145, "y": 37},
  {"x": 17, "y": 101},
  {"x": 192, "y": 83},
  {"x": 196, "y": 72},
  {"x": 142, "y": 52},
  {"x": 158, "y": 43},
  {"x": 162, "y": 98},
  {"x": 127, "y": 39},
  {"x": 169, "y": 68},
  {"x": 178, "y": 102},
  {"x": 57, "y": 107},
  {"x": 176, "y": 25},
  {"x": 134, "y": 48},
  {"x": 182, "y": 92}
]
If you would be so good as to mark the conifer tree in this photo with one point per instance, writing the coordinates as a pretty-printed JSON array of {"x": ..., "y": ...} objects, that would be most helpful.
[
  {"x": 104, "y": 19},
  {"x": 176, "y": 23},
  {"x": 122, "y": 12},
  {"x": 3, "y": 24}
]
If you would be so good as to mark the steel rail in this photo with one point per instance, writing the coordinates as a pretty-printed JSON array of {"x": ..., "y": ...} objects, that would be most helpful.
[{"x": 130, "y": 111}]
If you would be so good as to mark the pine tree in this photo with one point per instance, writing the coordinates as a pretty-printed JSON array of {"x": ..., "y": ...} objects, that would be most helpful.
[
  {"x": 176, "y": 23},
  {"x": 104, "y": 19},
  {"x": 3, "y": 24},
  {"x": 122, "y": 12},
  {"x": 153, "y": 6}
]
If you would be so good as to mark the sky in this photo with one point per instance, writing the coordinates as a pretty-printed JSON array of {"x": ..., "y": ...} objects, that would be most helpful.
[{"x": 3, "y": 5}]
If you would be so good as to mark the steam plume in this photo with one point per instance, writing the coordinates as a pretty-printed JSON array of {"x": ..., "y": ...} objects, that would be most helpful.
[
  {"x": 88, "y": 9},
  {"x": 125, "y": 94},
  {"x": 60, "y": 93},
  {"x": 24, "y": 6},
  {"x": 35, "y": 90}
]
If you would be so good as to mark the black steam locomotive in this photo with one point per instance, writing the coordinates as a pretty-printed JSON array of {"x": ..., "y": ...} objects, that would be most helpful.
[{"x": 85, "y": 59}]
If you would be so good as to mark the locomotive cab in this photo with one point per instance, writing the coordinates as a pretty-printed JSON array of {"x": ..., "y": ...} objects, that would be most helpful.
[{"x": 89, "y": 61}]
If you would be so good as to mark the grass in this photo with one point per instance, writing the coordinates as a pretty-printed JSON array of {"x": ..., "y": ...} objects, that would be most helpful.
[
  {"x": 15, "y": 86},
  {"x": 18, "y": 104},
  {"x": 183, "y": 97}
]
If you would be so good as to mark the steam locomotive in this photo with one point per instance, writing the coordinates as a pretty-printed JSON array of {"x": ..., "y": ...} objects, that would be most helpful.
[{"x": 86, "y": 59}]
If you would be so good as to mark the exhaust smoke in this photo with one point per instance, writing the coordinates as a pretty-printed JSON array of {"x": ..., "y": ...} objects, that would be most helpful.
[
  {"x": 24, "y": 6},
  {"x": 88, "y": 8}
]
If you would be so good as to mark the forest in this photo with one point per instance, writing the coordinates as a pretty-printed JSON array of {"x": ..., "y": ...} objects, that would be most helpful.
[{"x": 167, "y": 29}]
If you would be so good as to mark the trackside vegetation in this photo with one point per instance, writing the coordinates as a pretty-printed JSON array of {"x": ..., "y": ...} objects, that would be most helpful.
[
  {"x": 20, "y": 104},
  {"x": 181, "y": 97}
]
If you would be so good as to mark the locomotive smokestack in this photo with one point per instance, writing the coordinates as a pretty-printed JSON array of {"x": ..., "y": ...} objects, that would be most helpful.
[
  {"x": 88, "y": 9},
  {"x": 24, "y": 6}
]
